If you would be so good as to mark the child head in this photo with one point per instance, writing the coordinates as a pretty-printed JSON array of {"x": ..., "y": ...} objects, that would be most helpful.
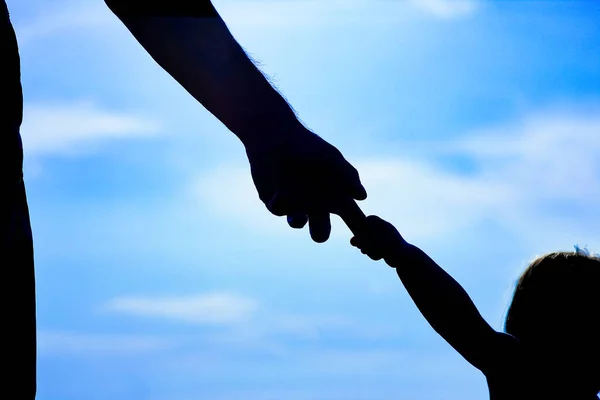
[{"x": 555, "y": 312}]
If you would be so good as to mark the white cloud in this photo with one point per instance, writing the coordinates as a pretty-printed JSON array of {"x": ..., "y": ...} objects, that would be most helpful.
[
  {"x": 225, "y": 308},
  {"x": 425, "y": 200},
  {"x": 51, "y": 343},
  {"x": 66, "y": 128},
  {"x": 270, "y": 331},
  {"x": 446, "y": 9},
  {"x": 229, "y": 191},
  {"x": 554, "y": 153},
  {"x": 245, "y": 324},
  {"x": 214, "y": 308},
  {"x": 540, "y": 178}
]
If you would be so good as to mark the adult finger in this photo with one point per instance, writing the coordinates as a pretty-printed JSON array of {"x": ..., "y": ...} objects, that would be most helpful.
[
  {"x": 279, "y": 204},
  {"x": 351, "y": 214},
  {"x": 297, "y": 220},
  {"x": 357, "y": 191},
  {"x": 319, "y": 224},
  {"x": 350, "y": 182}
]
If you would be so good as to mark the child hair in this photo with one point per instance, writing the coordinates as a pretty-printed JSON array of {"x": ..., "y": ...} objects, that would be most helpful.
[{"x": 557, "y": 293}]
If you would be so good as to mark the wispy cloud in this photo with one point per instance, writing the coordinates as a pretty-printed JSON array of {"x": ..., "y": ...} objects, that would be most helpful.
[
  {"x": 271, "y": 331},
  {"x": 68, "y": 128},
  {"x": 553, "y": 154},
  {"x": 53, "y": 343},
  {"x": 523, "y": 171},
  {"x": 214, "y": 308},
  {"x": 245, "y": 322}
]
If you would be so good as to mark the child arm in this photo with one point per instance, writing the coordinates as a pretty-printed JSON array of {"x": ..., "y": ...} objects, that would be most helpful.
[
  {"x": 448, "y": 308},
  {"x": 443, "y": 302}
]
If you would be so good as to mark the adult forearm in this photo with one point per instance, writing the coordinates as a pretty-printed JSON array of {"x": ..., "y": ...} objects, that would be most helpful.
[{"x": 203, "y": 56}]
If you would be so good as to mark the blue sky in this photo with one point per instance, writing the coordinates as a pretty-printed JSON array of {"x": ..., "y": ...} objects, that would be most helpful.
[{"x": 474, "y": 125}]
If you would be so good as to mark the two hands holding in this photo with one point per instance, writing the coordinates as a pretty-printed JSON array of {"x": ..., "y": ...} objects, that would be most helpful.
[
  {"x": 297, "y": 174},
  {"x": 307, "y": 179}
]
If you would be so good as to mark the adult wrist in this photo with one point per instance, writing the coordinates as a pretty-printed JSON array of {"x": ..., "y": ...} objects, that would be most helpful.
[{"x": 271, "y": 133}]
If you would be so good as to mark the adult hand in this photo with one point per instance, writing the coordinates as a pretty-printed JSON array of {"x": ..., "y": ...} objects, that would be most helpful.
[{"x": 302, "y": 176}]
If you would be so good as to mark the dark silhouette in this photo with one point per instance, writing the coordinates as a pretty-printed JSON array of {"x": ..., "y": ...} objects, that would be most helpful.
[
  {"x": 551, "y": 348},
  {"x": 296, "y": 173}
]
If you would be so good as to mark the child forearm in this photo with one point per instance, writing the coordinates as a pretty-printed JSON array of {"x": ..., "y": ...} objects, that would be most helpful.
[{"x": 442, "y": 301}]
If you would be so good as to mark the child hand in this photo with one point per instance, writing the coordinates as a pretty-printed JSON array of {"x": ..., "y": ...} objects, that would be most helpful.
[{"x": 378, "y": 239}]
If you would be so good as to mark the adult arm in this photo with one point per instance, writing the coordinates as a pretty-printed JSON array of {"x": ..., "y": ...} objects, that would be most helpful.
[
  {"x": 192, "y": 43},
  {"x": 296, "y": 173}
]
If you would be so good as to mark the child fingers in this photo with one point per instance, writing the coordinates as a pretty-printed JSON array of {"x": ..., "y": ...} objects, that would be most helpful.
[
  {"x": 372, "y": 255},
  {"x": 366, "y": 249},
  {"x": 361, "y": 244}
]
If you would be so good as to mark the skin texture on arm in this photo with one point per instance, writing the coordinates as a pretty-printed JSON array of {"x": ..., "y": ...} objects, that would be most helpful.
[{"x": 441, "y": 300}]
